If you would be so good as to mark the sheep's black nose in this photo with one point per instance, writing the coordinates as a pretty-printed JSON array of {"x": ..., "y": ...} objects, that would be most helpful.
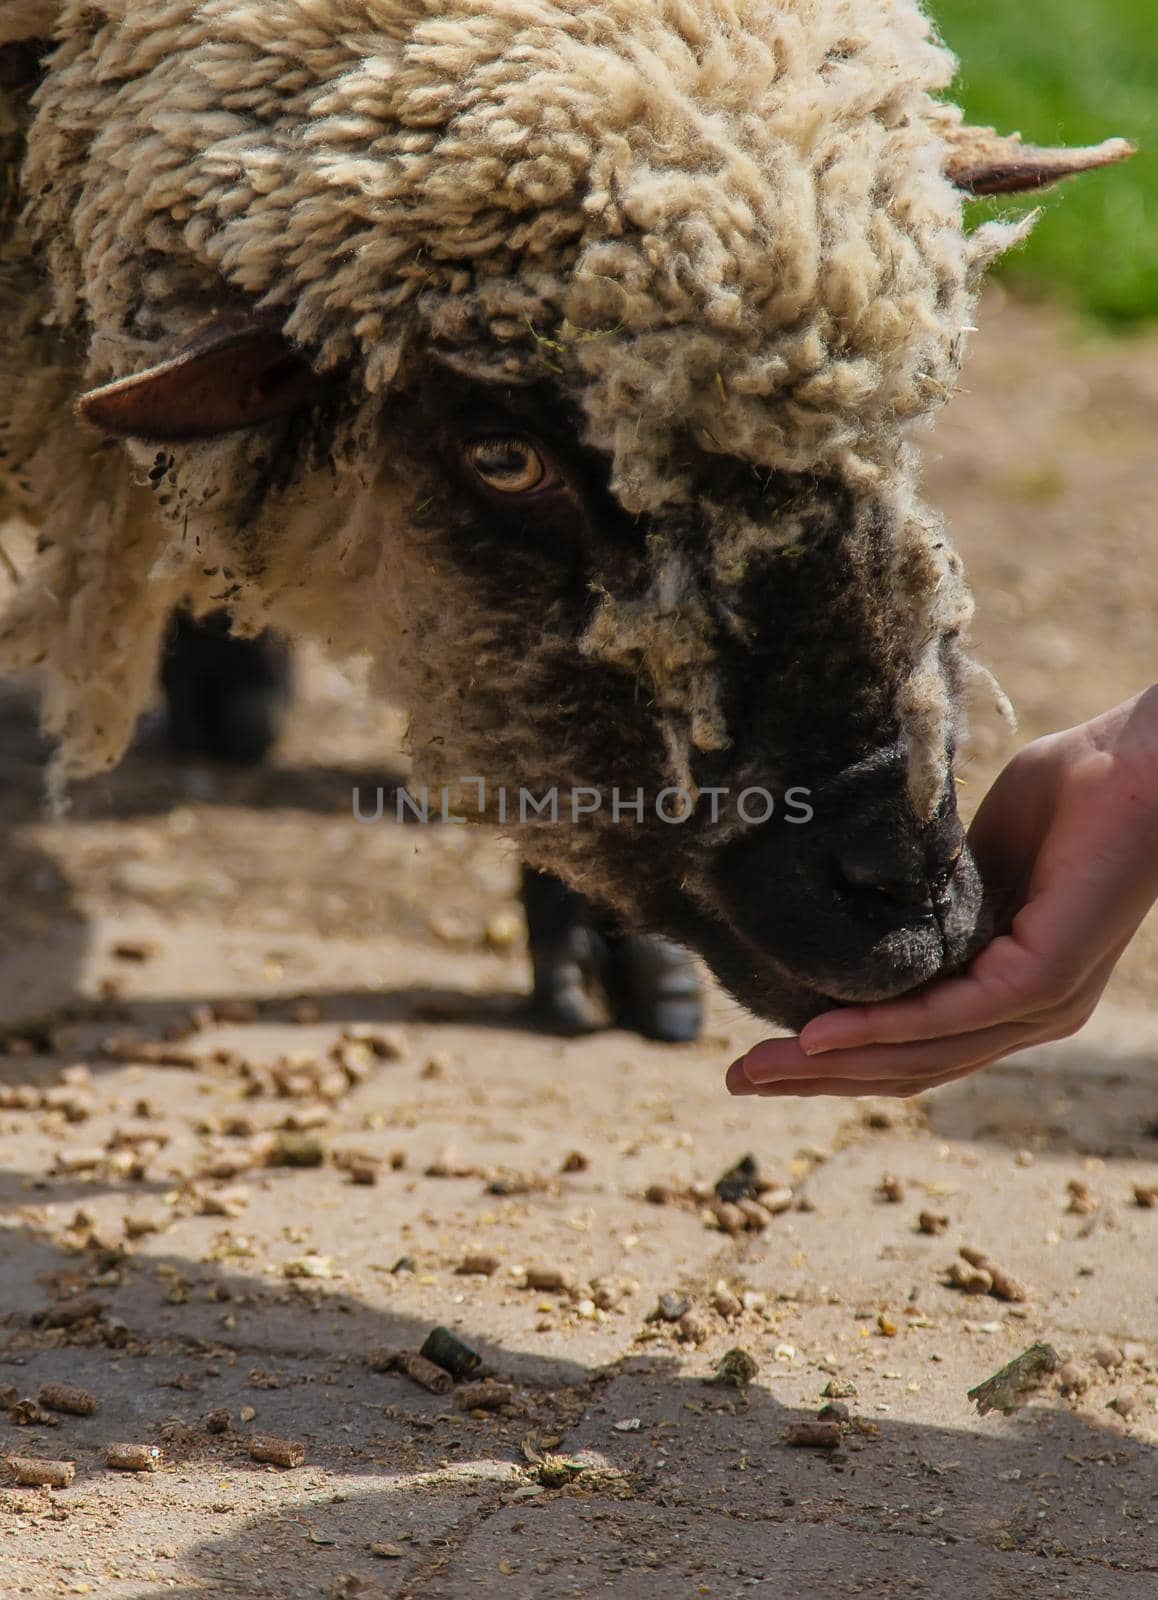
[{"x": 902, "y": 871}]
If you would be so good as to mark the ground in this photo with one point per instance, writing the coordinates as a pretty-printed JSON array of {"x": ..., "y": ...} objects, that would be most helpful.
[{"x": 201, "y": 950}]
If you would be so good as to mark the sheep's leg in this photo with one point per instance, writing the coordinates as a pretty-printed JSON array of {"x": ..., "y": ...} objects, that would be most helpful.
[
  {"x": 226, "y": 697},
  {"x": 587, "y": 972},
  {"x": 655, "y": 988},
  {"x": 568, "y": 957}
]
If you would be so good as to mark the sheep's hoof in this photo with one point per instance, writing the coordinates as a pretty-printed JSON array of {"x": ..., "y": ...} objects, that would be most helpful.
[
  {"x": 656, "y": 990},
  {"x": 247, "y": 726},
  {"x": 570, "y": 967},
  {"x": 635, "y": 981},
  {"x": 239, "y": 726},
  {"x": 564, "y": 1002},
  {"x": 226, "y": 697},
  {"x": 589, "y": 975}
]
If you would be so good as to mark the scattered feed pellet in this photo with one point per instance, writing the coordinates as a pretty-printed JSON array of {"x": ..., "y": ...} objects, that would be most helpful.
[
  {"x": 973, "y": 1280},
  {"x": 932, "y": 1222},
  {"x": 1107, "y": 1354},
  {"x": 423, "y": 1372},
  {"x": 384, "y": 1045},
  {"x": 26, "y": 1414},
  {"x": 1002, "y": 1286},
  {"x": 134, "y": 1457},
  {"x": 364, "y": 1170},
  {"x": 296, "y": 1149},
  {"x": 70, "y": 1313},
  {"x": 726, "y": 1302},
  {"x": 729, "y": 1217},
  {"x": 814, "y": 1436},
  {"x": 693, "y": 1328},
  {"x": 218, "y": 1421},
  {"x": 61, "y": 1397},
  {"x": 276, "y": 1452},
  {"x": 489, "y": 1394},
  {"x": 133, "y": 950},
  {"x": 891, "y": 1189},
  {"x": 512, "y": 1183},
  {"x": 478, "y": 1265},
  {"x": 546, "y": 1280},
  {"x": 308, "y": 1266},
  {"x": 1082, "y": 1200},
  {"x": 229, "y": 1202},
  {"x": 31, "y": 1473},
  {"x": 1073, "y": 1378},
  {"x": 609, "y": 1292},
  {"x": 1007, "y": 1287}
]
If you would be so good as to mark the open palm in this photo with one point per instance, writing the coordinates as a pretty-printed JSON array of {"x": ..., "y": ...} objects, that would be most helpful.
[{"x": 1067, "y": 842}]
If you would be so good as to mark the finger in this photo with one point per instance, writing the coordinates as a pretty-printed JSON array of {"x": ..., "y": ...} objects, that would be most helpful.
[
  {"x": 1008, "y": 982},
  {"x": 965, "y": 1052},
  {"x": 776, "y": 1056},
  {"x": 841, "y": 1088},
  {"x": 991, "y": 993},
  {"x": 916, "y": 1062}
]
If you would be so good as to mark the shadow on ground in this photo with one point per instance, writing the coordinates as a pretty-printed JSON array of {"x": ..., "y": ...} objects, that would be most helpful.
[
  {"x": 673, "y": 1483},
  {"x": 151, "y": 780}
]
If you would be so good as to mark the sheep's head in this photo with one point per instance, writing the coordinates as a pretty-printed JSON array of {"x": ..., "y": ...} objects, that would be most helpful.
[
  {"x": 565, "y": 366},
  {"x": 731, "y": 715}
]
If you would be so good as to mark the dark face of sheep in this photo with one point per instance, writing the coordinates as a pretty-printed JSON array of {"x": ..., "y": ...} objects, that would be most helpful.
[
  {"x": 803, "y": 873},
  {"x": 724, "y": 761}
]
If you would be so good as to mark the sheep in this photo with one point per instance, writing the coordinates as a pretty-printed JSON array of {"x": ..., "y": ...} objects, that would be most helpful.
[
  {"x": 561, "y": 356},
  {"x": 225, "y": 700}
]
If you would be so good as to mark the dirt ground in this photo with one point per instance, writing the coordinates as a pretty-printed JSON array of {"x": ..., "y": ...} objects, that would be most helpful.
[{"x": 227, "y": 970}]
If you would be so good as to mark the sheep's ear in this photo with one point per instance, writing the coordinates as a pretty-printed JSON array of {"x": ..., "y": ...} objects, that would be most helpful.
[
  {"x": 228, "y": 379},
  {"x": 984, "y": 162}
]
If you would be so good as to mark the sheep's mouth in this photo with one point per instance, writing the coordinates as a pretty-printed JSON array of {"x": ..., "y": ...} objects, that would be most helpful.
[
  {"x": 779, "y": 994},
  {"x": 777, "y": 986}
]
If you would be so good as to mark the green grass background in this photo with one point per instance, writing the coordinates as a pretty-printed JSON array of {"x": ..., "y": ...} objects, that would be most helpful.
[{"x": 1072, "y": 72}]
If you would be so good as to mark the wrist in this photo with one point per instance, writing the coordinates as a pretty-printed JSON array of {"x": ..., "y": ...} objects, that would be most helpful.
[{"x": 1136, "y": 754}]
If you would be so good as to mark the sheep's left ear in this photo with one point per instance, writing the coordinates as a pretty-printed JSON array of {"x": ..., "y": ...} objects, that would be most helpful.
[
  {"x": 230, "y": 377},
  {"x": 984, "y": 162}
]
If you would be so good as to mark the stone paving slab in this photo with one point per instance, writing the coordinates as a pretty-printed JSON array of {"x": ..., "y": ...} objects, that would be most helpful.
[
  {"x": 696, "y": 1490},
  {"x": 640, "y": 1553}
]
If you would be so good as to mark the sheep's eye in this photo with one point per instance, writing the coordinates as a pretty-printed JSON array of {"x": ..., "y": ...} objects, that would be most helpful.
[{"x": 508, "y": 464}]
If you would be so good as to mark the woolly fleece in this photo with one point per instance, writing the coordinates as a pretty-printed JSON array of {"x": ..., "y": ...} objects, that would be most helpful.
[{"x": 718, "y": 219}]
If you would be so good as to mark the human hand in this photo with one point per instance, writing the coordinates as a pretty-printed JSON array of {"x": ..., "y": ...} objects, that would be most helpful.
[{"x": 1067, "y": 840}]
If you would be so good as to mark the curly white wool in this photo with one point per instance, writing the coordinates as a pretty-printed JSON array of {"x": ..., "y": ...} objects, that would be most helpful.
[{"x": 727, "y": 217}]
